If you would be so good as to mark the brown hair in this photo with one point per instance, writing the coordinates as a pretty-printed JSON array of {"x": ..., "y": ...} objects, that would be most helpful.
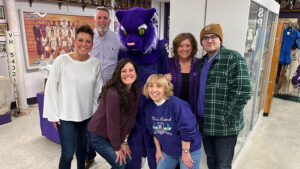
[
  {"x": 86, "y": 29},
  {"x": 116, "y": 82},
  {"x": 181, "y": 37}
]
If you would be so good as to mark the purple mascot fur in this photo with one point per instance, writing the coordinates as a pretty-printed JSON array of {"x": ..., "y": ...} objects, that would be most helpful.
[{"x": 138, "y": 34}]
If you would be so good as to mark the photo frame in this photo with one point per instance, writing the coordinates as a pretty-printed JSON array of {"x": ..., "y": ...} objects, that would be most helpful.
[
  {"x": 48, "y": 35},
  {"x": 118, "y": 4},
  {"x": 3, "y": 28},
  {"x": 2, "y": 12},
  {"x": 2, "y": 46},
  {"x": 107, "y": 3}
]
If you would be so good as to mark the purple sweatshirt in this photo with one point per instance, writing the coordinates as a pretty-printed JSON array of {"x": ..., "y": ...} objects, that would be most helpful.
[
  {"x": 109, "y": 122},
  {"x": 194, "y": 76},
  {"x": 171, "y": 123}
]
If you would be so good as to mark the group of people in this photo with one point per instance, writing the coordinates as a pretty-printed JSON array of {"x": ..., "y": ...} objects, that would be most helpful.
[
  {"x": 53, "y": 40},
  {"x": 93, "y": 100}
]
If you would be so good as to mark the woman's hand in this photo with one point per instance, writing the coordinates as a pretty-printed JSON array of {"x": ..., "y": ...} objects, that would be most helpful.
[
  {"x": 55, "y": 124},
  {"x": 187, "y": 159},
  {"x": 120, "y": 156},
  {"x": 159, "y": 155},
  {"x": 168, "y": 76},
  {"x": 126, "y": 150}
]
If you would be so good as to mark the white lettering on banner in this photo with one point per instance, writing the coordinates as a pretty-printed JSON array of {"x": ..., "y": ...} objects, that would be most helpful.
[
  {"x": 260, "y": 16},
  {"x": 11, "y": 53}
]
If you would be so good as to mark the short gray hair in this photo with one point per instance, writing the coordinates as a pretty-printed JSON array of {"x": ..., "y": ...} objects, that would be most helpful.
[{"x": 100, "y": 8}]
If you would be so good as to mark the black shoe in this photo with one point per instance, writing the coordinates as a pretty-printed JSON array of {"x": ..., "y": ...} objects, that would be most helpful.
[{"x": 88, "y": 163}]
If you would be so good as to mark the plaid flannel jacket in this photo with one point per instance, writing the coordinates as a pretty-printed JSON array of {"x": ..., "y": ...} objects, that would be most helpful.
[{"x": 228, "y": 89}]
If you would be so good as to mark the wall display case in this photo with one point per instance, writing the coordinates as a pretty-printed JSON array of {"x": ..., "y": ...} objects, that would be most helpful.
[{"x": 259, "y": 45}]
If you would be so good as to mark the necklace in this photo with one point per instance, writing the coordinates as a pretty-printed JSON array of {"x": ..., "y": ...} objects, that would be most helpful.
[{"x": 185, "y": 67}]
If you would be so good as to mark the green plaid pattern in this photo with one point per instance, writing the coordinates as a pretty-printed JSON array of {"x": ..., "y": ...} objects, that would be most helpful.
[{"x": 227, "y": 91}]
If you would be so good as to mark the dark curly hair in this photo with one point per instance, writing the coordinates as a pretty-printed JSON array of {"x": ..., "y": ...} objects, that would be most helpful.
[{"x": 116, "y": 82}]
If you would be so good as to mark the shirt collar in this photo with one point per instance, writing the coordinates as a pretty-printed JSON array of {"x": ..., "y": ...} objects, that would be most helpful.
[
  {"x": 105, "y": 36},
  {"x": 209, "y": 59},
  {"x": 160, "y": 102}
]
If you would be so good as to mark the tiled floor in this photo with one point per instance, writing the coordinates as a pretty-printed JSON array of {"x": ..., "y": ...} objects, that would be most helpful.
[{"x": 275, "y": 144}]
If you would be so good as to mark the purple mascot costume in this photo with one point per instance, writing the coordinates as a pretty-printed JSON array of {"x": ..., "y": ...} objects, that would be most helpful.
[{"x": 139, "y": 36}]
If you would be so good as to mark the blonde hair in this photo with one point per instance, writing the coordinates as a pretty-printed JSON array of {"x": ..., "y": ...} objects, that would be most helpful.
[{"x": 159, "y": 79}]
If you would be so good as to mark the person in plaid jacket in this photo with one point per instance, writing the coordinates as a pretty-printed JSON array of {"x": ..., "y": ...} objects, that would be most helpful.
[{"x": 224, "y": 91}]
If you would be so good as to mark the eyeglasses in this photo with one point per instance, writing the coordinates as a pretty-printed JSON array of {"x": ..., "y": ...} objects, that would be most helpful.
[{"x": 212, "y": 37}]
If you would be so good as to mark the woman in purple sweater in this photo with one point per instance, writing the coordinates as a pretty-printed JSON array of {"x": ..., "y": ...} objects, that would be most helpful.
[
  {"x": 111, "y": 124},
  {"x": 184, "y": 69},
  {"x": 173, "y": 126}
]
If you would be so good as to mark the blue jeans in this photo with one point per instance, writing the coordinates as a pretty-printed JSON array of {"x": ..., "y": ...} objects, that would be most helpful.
[
  {"x": 105, "y": 149},
  {"x": 72, "y": 137},
  {"x": 219, "y": 151},
  {"x": 90, "y": 152},
  {"x": 171, "y": 162}
]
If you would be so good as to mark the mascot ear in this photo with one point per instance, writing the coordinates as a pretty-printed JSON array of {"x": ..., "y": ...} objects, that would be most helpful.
[
  {"x": 120, "y": 14},
  {"x": 149, "y": 14}
]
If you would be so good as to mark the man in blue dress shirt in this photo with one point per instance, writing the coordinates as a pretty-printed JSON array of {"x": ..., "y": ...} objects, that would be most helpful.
[{"x": 106, "y": 45}]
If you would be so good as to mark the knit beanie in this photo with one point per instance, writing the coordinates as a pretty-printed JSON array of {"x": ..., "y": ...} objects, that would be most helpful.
[{"x": 212, "y": 29}]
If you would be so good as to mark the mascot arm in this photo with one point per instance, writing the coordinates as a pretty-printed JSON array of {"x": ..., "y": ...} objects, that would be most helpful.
[
  {"x": 121, "y": 54},
  {"x": 163, "y": 67}
]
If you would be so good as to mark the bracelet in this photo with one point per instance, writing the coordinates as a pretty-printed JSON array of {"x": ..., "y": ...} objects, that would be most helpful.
[
  {"x": 186, "y": 150},
  {"x": 124, "y": 142}
]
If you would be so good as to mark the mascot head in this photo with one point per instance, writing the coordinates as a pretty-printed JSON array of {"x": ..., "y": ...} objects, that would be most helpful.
[{"x": 137, "y": 29}]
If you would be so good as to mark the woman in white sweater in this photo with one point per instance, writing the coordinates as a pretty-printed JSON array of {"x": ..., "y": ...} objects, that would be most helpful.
[{"x": 71, "y": 94}]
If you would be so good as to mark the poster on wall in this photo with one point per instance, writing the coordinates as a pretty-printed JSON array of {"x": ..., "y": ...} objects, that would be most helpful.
[{"x": 48, "y": 35}]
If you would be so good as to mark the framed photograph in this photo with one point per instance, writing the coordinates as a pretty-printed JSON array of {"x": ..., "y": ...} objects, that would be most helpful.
[
  {"x": 118, "y": 4},
  {"x": 107, "y": 3},
  {"x": 2, "y": 13},
  {"x": 48, "y": 35},
  {"x": 3, "y": 28},
  {"x": 2, "y": 46}
]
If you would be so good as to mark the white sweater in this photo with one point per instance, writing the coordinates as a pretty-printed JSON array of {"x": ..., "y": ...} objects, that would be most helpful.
[{"x": 72, "y": 89}]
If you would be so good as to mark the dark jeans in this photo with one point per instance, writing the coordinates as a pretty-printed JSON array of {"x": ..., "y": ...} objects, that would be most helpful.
[
  {"x": 72, "y": 137},
  {"x": 105, "y": 149},
  {"x": 219, "y": 151},
  {"x": 90, "y": 152}
]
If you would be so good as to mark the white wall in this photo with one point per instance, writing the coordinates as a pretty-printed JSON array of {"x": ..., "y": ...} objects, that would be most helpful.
[
  {"x": 192, "y": 15},
  {"x": 187, "y": 16},
  {"x": 232, "y": 15}
]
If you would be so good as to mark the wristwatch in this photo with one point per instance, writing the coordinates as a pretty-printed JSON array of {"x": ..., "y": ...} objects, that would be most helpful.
[{"x": 186, "y": 150}]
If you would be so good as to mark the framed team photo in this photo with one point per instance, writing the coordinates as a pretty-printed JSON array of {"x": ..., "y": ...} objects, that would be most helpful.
[
  {"x": 48, "y": 35},
  {"x": 2, "y": 13},
  {"x": 3, "y": 28}
]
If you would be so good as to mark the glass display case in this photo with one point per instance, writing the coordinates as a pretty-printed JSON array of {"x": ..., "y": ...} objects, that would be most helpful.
[{"x": 258, "y": 54}]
